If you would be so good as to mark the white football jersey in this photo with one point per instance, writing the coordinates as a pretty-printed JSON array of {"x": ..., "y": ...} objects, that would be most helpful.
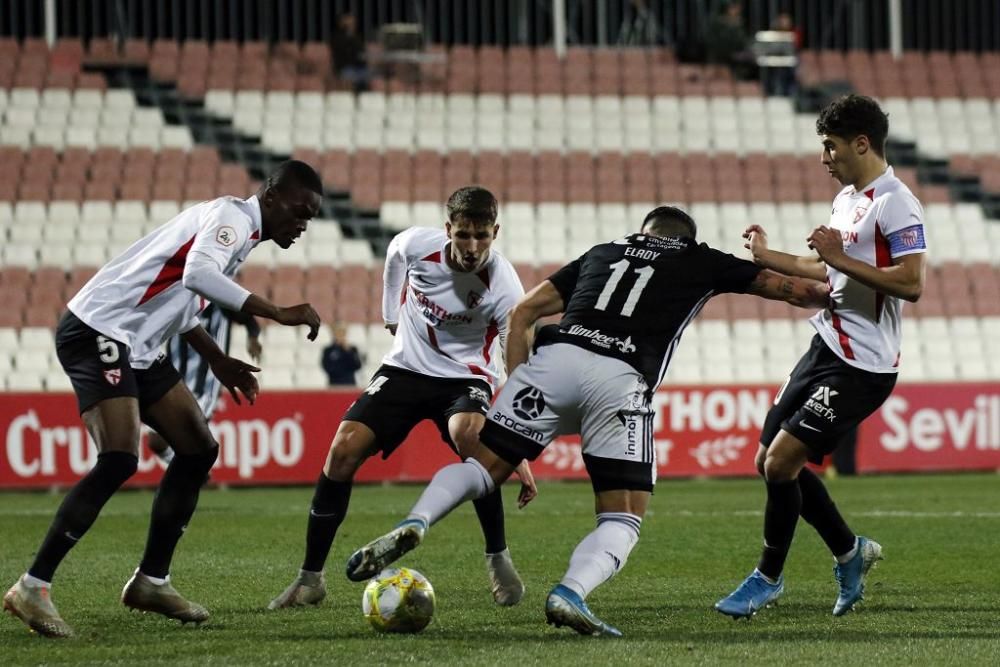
[
  {"x": 879, "y": 223},
  {"x": 138, "y": 298},
  {"x": 450, "y": 323}
]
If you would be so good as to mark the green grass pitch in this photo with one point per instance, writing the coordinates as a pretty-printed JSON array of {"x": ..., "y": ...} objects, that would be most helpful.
[{"x": 934, "y": 600}]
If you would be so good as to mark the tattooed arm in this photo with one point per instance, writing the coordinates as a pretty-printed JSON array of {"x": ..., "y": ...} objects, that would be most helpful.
[{"x": 801, "y": 292}]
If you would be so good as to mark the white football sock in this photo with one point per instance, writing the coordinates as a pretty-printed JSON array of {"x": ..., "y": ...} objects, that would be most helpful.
[
  {"x": 157, "y": 580},
  {"x": 451, "y": 486},
  {"x": 602, "y": 553}
]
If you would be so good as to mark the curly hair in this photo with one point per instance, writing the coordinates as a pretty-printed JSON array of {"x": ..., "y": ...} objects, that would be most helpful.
[{"x": 853, "y": 115}]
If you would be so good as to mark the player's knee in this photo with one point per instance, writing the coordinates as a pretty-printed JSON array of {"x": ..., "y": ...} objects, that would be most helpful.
[
  {"x": 117, "y": 466},
  {"x": 776, "y": 469},
  {"x": 202, "y": 440},
  {"x": 349, "y": 450},
  {"x": 466, "y": 439},
  {"x": 759, "y": 461}
]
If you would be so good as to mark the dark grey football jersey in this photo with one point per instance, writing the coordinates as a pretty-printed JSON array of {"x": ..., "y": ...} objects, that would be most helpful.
[{"x": 631, "y": 298}]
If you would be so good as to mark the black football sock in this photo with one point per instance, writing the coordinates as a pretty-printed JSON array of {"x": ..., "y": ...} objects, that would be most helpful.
[
  {"x": 173, "y": 507},
  {"x": 489, "y": 509},
  {"x": 329, "y": 507},
  {"x": 79, "y": 510},
  {"x": 784, "y": 502},
  {"x": 819, "y": 511}
]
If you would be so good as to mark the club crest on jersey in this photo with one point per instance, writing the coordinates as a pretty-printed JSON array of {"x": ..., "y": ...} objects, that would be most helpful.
[
  {"x": 473, "y": 300},
  {"x": 113, "y": 376},
  {"x": 226, "y": 236},
  {"x": 859, "y": 213}
]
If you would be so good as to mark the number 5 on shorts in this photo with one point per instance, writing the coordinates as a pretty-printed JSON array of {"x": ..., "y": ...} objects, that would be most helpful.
[{"x": 107, "y": 349}]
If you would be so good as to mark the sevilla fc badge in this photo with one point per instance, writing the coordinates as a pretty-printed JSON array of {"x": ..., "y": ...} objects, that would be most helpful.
[
  {"x": 113, "y": 376},
  {"x": 474, "y": 299}
]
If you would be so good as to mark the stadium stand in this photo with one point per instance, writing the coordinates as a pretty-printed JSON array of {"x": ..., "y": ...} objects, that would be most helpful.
[{"x": 576, "y": 150}]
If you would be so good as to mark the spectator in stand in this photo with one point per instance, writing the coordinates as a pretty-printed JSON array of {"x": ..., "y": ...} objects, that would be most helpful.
[
  {"x": 348, "y": 50},
  {"x": 784, "y": 80},
  {"x": 340, "y": 359},
  {"x": 727, "y": 42}
]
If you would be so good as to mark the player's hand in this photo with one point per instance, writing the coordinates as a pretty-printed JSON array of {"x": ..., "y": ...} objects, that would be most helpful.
[
  {"x": 828, "y": 244},
  {"x": 528, "y": 488},
  {"x": 238, "y": 377},
  {"x": 254, "y": 348},
  {"x": 391, "y": 328},
  {"x": 756, "y": 239},
  {"x": 300, "y": 314}
]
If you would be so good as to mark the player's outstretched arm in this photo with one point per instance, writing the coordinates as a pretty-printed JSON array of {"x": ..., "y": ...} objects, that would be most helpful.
[
  {"x": 235, "y": 375},
  {"x": 801, "y": 292},
  {"x": 904, "y": 279},
  {"x": 808, "y": 266},
  {"x": 540, "y": 302},
  {"x": 290, "y": 316}
]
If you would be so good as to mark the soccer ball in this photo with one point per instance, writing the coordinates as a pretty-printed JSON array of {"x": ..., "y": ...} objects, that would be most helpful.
[{"x": 398, "y": 600}]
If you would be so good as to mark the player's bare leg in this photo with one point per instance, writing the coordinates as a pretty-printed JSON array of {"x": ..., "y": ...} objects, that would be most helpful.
[
  {"x": 598, "y": 557},
  {"x": 505, "y": 582},
  {"x": 114, "y": 425},
  {"x": 178, "y": 418},
  {"x": 352, "y": 445}
]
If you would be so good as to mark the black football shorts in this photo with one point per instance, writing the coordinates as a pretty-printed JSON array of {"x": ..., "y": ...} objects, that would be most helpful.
[
  {"x": 823, "y": 399},
  {"x": 396, "y": 400},
  {"x": 98, "y": 367}
]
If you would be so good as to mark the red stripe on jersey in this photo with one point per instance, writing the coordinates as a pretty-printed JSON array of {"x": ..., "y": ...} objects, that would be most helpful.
[
  {"x": 255, "y": 235},
  {"x": 406, "y": 288},
  {"x": 484, "y": 275},
  {"x": 433, "y": 257},
  {"x": 479, "y": 371},
  {"x": 882, "y": 258},
  {"x": 870, "y": 193},
  {"x": 845, "y": 341},
  {"x": 172, "y": 271},
  {"x": 491, "y": 333},
  {"x": 432, "y": 338}
]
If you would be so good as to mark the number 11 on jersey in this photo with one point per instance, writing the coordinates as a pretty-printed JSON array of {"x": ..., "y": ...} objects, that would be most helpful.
[{"x": 619, "y": 269}]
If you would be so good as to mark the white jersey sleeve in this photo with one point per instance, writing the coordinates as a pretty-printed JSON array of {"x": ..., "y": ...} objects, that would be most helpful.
[
  {"x": 509, "y": 292},
  {"x": 393, "y": 277},
  {"x": 902, "y": 221},
  {"x": 215, "y": 246}
]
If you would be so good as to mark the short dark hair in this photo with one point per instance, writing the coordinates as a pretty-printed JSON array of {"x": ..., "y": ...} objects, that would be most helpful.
[
  {"x": 295, "y": 173},
  {"x": 474, "y": 204},
  {"x": 853, "y": 115},
  {"x": 670, "y": 221}
]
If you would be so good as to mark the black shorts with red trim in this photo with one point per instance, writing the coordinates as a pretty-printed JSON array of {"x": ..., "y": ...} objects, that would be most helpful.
[
  {"x": 98, "y": 367},
  {"x": 396, "y": 400},
  {"x": 823, "y": 399}
]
